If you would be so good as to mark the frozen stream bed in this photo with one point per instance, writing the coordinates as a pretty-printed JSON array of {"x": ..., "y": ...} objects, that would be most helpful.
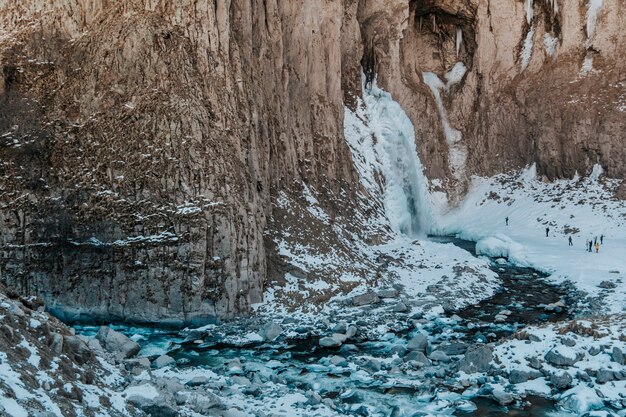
[{"x": 378, "y": 360}]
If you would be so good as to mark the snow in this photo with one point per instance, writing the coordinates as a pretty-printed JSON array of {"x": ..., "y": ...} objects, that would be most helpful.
[
  {"x": 593, "y": 8},
  {"x": 455, "y": 75},
  {"x": 587, "y": 66},
  {"x": 457, "y": 151},
  {"x": 581, "y": 208},
  {"x": 146, "y": 391},
  {"x": 528, "y": 6},
  {"x": 550, "y": 43},
  {"x": 527, "y": 49}
]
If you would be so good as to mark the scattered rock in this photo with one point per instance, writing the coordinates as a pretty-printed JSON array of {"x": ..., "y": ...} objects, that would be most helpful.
[
  {"x": 440, "y": 356},
  {"x": 117, "y": 343},
  {"x": 453, "y": 349},
  {"x": 340, "y": 327},
  {"x": 594, "y": 350},
  {"x": 163, "y": 361},
  {"x": 561, "y": 356},
  {"x": 417, "y": 356},
  {"x": 502, "y": 397},
  {"x": 197, "y": 381},
  {"x": 351, "y": 332},
  {"x": 618, "y": 356},
  {"x": 330, "y": 341},
  {"x": 270, "y": 331},
  {"x": 400, "y": 307},
  {"x": 365, "y": 299},
  {"x": 607, "y": 285},
  {"x": 418, "y": 342},
  {"x": 566, "y": 341},
  {"x": 205, "y": 404},
  {"x": 534, "y": 363},
  {"x": 338, "y": 361},
  {"x": 603, "y": 376},
  {"x": 519, "y": 377},
  {"x": 476, "y": 359},
  {"x": 561, "y": 381},
  {"x": 388, "y": 293}
]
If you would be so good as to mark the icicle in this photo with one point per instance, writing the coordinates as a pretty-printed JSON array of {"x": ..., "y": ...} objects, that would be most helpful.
[
  {"x": 459, "y": 40},
  {"x": 593, "y": 8},
  {"x": 529, "y": 10},
  {"x": 434, "y": 23},
  {"x": 421, "y": 22}
]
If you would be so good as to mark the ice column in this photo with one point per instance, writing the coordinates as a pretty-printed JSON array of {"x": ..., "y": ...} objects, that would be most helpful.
[{"x": 406, "y": 196}]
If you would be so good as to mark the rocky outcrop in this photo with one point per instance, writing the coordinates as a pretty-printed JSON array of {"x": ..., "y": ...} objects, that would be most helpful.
[
  {"x": 143, "y": 143},
  {"x": 160, "y": 132}
]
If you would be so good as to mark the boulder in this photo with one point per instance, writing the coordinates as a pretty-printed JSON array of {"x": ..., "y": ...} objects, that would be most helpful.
[
  {"x": 453, "y": 349},
  {"x": 400, "y": 307},
  {"x": 418, "y": 342},
  {"x": 476, "y": 359},
  {"x": 331, "y": 341},
  {"x": 502, "y": 397},
  {"x": 338, "y": 361},
  {"x": 116, "y": 343},
  {"x": 440, "y": 356},
  {"x": 163, "y": 361},
  {"x": 351, "y": 332},
  {"x": 197, "y": 381},
  {"x": 371, "y": 365},
  {"x": 417, "y": 356},
  {"x": 561, "y": 381},
  {"x": 594, "y": 350},
  {"x": 270, "y": 331},
  {"x": 205, "y": 404},
  {"x": 519, "y": 377},
  {"x": 618, "y": 356},
  {"x": 561, "y": 356},
  {"x": 604, "y": 375},
  {"x": 340, "y": 327},
  {"x": 388, "y": 293},
  {"x": 365, "y": 299}
]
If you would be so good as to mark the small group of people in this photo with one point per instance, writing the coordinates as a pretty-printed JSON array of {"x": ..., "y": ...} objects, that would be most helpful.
[{"x": 591, "y": 243}]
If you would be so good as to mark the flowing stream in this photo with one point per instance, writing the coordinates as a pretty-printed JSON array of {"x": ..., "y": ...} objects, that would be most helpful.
[{"x": 368, "y": 372}]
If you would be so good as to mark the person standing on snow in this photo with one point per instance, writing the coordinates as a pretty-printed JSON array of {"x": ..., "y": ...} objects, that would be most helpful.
[
  {"x": 602, "y": 239},
  {"x": 587, "y": 245},
  {"x": 590, "y": 244},
  {"x": 597, "y": 247},
  {"x": 506, "y": 220},
  {"x": 570, "y": 241},
  {"x": 547, "y": 231}
]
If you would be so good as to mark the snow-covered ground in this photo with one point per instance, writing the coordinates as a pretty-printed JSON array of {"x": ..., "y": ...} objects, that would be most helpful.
[{"x": 582, "y": 208}]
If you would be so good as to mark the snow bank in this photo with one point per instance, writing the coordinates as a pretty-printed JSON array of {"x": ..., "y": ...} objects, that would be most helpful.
[
  {"x": 579, "y": 208},
  {"x": 502, "y": 246}
]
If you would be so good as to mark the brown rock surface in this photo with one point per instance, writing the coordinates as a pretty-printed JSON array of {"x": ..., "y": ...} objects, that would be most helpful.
[{"x": 143, "y": 142}]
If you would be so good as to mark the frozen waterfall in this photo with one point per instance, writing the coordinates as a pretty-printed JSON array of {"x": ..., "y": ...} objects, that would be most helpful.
[{"x": 382, "y": 139}]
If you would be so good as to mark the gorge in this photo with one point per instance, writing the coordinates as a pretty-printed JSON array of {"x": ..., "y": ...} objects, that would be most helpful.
[{"x": 221, "y": 179}]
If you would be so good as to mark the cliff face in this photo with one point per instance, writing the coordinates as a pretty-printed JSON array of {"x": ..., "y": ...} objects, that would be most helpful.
[
  {"x": 143, "y": 189},
  {"x": 519, "y": 82},
  {"x": 143, "y": 142}
]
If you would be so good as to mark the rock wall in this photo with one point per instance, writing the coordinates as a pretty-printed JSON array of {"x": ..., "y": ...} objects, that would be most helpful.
[
  {"x": 143, "y": 142},
  {"x": 141, "y": 188},
  {"x": 544, "y": 82}
]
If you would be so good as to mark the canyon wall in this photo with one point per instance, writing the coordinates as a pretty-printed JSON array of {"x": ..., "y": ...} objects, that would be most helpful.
[
  {"x": 143, "y": 142},
  {"x": 539, "y": 81}
]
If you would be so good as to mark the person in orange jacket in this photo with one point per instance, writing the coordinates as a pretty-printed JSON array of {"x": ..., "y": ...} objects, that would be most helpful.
[{"x": 597, "y": 247}]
